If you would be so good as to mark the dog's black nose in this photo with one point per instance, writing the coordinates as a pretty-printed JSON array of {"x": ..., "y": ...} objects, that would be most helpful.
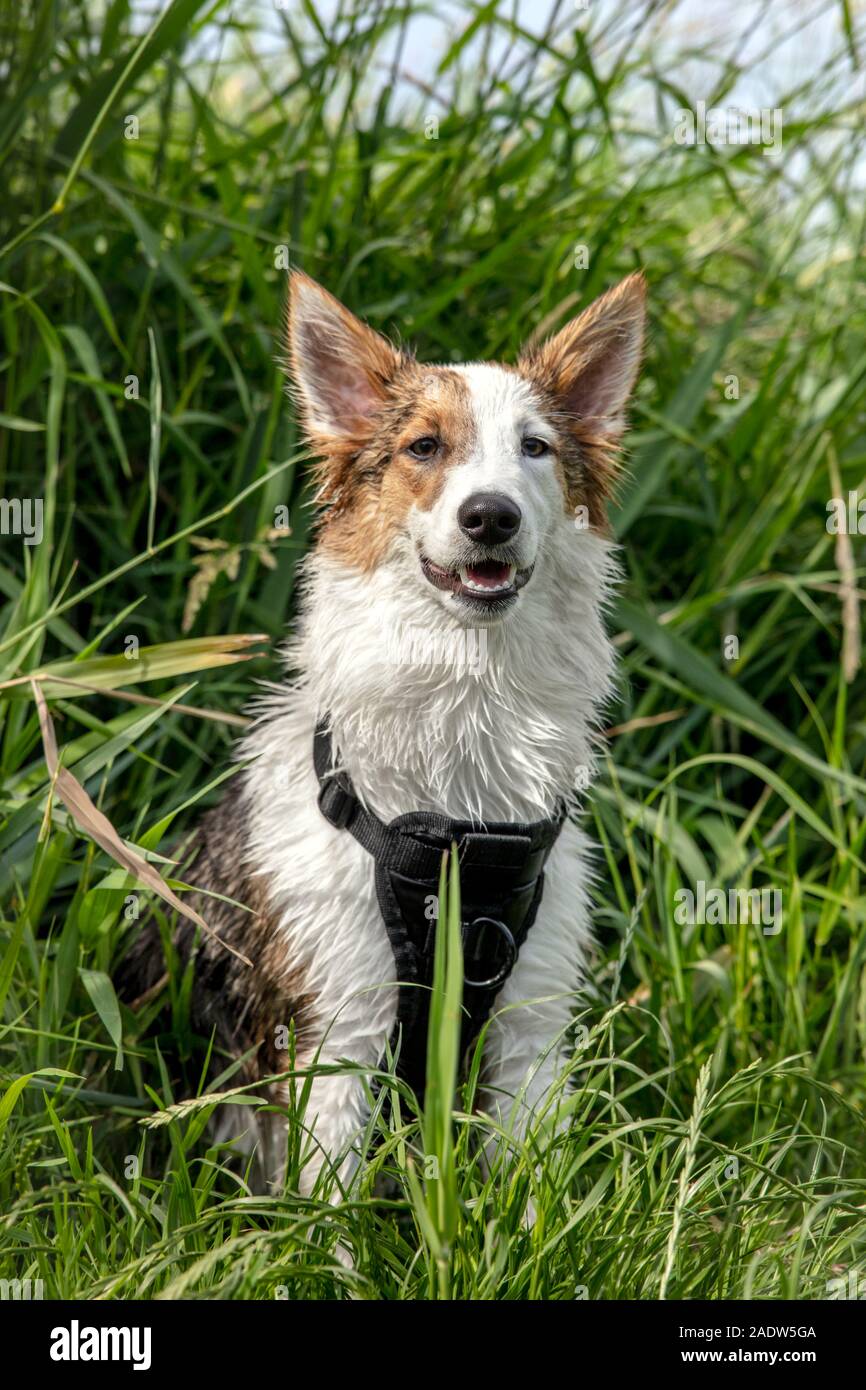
[{"x": 489, "y": 518}]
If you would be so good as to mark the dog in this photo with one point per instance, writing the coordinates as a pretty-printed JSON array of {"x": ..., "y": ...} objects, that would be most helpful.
[{"x": 452, "y": 651}]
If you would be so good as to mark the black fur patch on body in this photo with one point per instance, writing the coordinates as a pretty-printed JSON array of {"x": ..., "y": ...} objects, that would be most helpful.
[{"x": 242, "y": 1005}]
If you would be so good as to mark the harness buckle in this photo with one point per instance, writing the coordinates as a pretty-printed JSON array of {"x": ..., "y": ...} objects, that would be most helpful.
[
  {"x": 477, "y": 927},
  {"x": 336, "y": 803}
]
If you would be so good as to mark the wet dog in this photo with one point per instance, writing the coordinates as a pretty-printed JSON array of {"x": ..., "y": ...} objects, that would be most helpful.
[{"x": 452, "y": 636}]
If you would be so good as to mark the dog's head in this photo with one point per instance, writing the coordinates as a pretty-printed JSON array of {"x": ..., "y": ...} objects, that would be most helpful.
[{"x": 466, "y": 475}]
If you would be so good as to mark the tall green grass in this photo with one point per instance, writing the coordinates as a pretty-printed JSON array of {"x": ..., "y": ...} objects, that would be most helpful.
[{"x": 715, "y": 1097}]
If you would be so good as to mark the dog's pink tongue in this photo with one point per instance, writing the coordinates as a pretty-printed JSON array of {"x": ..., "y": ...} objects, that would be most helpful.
[{"x": 490, "y": 573}]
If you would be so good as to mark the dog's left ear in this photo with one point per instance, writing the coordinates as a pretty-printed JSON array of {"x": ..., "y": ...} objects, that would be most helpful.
[{"x": 590, "y": 366}]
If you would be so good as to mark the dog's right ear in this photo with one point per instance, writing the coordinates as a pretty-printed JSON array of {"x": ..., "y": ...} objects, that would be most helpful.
[{"x": 340, "y": 368}]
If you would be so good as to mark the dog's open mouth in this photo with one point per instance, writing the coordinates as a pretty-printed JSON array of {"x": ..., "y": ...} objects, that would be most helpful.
[{"x": 486, "y": 582}]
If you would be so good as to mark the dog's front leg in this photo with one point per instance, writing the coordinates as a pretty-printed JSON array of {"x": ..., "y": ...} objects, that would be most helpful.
[
  {"x": 522, "y": 1075},
  {"x": 522, "y": 1091},
  {"x": 334, "y": 1120},
  {"x": 527, "y": 1045},
  {"x": 328, "y": 1140},
  {"x": 343, "y": 959}
]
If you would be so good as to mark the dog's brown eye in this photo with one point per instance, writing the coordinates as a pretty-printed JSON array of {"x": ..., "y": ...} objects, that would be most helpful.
[
  {"x": 535, "y": 447},
  {"x": 424, "y": 448}
]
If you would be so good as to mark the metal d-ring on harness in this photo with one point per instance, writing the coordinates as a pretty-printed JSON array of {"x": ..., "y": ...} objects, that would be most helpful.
[{"x": 501, "y": 883}]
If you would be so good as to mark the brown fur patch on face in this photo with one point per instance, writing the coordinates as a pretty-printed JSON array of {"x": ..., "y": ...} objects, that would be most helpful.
[
  {"x": 362, "y": 402},
  {"x": 369, "y": 489},
  {"x": 583, "y": 376}
]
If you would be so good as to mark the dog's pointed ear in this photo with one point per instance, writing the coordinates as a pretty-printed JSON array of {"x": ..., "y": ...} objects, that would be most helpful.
[
  {"x": 340, "y": 368},
  {"x": 590, "y": 366}
]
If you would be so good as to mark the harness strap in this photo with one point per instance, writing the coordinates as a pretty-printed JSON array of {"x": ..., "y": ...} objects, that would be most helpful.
[{"x": 501, "y": 883}]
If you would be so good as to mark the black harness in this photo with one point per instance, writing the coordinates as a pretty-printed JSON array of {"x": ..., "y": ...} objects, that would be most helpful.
[{"x": 501, "y": 883}]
